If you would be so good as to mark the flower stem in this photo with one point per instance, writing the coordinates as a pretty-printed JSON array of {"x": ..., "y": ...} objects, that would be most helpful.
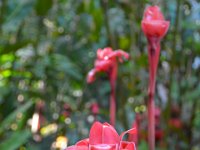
[
  {"x": 153, "y": 55},
  {"x": 113, "y": 77},
  {"x": 112, "y": 108},
  {"x": 151, "y": 125}
]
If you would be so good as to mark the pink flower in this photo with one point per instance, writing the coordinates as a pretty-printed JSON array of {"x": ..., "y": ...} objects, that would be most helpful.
[
  {"x": 154, "y": 23},
  {"x": 104, "y": 137},
  {"x": 154, "y": 27},
  {"x": 107, "y": 61}
]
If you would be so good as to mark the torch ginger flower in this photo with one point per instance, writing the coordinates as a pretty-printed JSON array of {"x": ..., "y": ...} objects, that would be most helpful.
[
  {"x": 107, "y": 61},
  {"x": 154, "y": 27},
  {"x": 104, "y": 137}
]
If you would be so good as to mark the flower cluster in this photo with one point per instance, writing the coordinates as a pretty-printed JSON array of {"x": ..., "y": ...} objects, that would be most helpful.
[
  {"x": 106, "y": 61},
  {"x": 104, "y": 137}
]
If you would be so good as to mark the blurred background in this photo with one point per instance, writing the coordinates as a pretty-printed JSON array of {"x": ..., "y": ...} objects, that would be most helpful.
[{"x": 48, "y": 46}]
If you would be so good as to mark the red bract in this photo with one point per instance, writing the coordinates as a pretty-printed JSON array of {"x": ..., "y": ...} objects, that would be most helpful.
[
  {"x": 154, "y": 27},
  {"x": 153, "y": 23},
  {"x": 103, "y": 134},
  {"x": 104, "y": 137},
  {"x": 107, "y": 61}
]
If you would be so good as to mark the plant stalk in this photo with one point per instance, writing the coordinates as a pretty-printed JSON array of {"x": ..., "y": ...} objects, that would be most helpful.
[
  {"x": 113, "y": 77},
  {"x": 153, "y": 56},
  {"x": 151, "y": 124}
]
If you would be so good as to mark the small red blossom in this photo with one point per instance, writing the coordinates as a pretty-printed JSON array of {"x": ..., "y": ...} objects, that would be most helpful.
[
  {"x": 106, "y": 61},
  {"x": 104, "y": 137},
  {"x": 94, "y": 108}
]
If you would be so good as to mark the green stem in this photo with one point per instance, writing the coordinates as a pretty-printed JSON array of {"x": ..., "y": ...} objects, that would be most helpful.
[{"x": 108, "y": 30}]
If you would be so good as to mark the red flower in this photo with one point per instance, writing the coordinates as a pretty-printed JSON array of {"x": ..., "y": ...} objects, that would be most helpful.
[
  {"x": 104, "y": 137},
  {"x": 153, "y": 23},
  {"x": 154, "y": 27},
  {"x": 107, "y": 61}
]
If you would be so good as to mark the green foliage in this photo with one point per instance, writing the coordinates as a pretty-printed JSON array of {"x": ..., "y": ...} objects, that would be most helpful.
[
  {"x": 48, "y": 46},
  {"x": 16, "y": 140},
  {"x": 9, "y": 119}
]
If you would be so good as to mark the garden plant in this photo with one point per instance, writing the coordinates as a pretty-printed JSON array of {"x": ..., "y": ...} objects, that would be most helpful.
[{"x": 63, "y": 84}]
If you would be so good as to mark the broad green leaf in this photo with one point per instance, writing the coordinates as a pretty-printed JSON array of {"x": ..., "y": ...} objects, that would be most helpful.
[
  {"x": 6, "y": 122},
  {"x": 15, "y": 140}
]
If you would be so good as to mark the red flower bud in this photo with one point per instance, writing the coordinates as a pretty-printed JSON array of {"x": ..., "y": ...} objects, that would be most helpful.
[{"x": 153, "y": 23}]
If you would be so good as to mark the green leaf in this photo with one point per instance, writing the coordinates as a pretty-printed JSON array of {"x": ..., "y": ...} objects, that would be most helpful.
[
  {"x": 15, "y": 140},
  {"x": 6, "y": 122},
  {"x": 17, "y": 14},
  {"x": 43, "y": 6},
  {"x": 62, "y": 63}
]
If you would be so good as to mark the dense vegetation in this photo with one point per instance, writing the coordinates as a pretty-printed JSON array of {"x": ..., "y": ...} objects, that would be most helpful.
[{"x": 47, "y": 48}]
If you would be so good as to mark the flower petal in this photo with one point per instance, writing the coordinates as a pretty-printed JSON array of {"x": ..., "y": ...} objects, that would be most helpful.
[
  {"x": 74, "y": 147},
  {"x": 91, "y": 76},
  {"x": 153, "y": 13},
  {"x": 131, "y": 131},
  {"x": 103, "y": 134},
  {"x": 84, "y": 142},
  {"x": 127, "y": 145}
]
